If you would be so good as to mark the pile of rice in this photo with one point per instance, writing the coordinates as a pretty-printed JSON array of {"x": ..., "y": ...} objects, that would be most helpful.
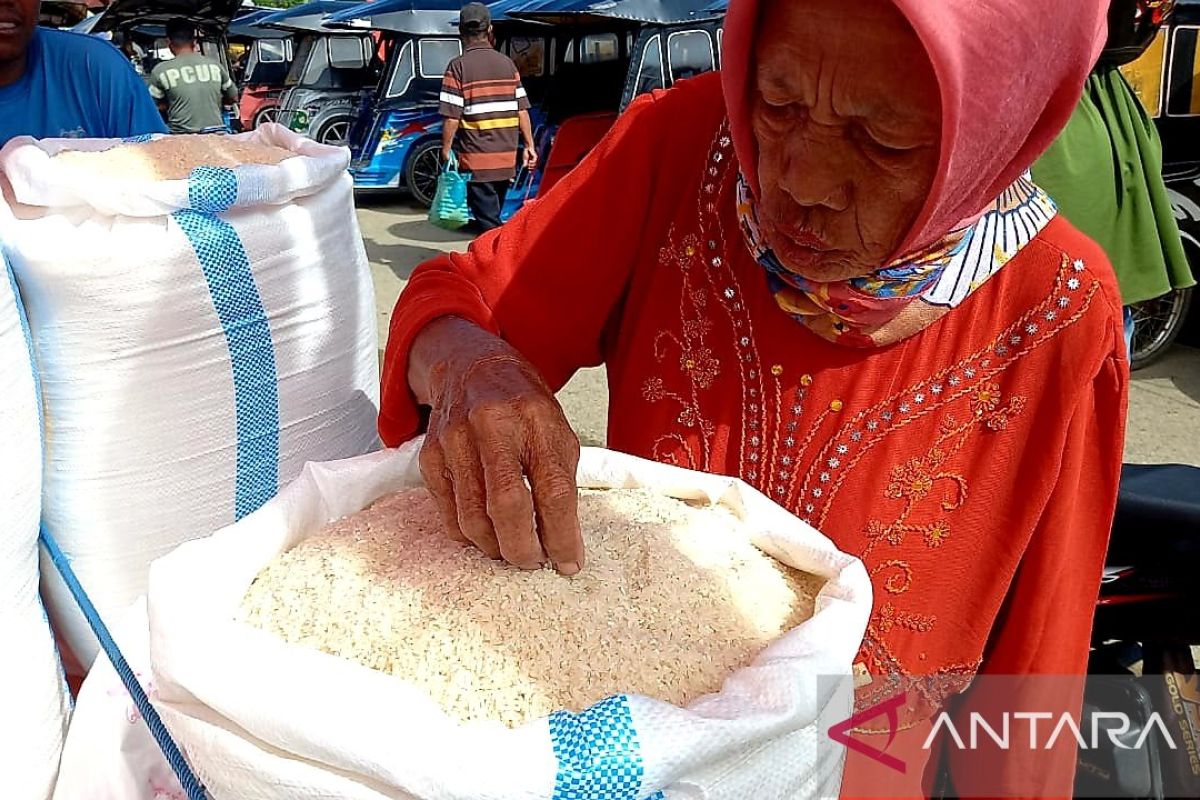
[
  {"x": 170, "y": 157},
  {"x": 673, "y": 599}
]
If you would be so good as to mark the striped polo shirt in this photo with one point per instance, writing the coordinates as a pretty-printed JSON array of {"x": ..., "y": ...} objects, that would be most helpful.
[{"x": 483, "y": 89}]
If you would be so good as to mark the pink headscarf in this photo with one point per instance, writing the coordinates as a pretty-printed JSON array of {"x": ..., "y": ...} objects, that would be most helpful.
[{"x": 1011, "y": 73}]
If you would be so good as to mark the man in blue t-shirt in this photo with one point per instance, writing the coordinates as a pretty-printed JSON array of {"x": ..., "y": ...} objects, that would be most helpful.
[{"x": 61, "y": 84}]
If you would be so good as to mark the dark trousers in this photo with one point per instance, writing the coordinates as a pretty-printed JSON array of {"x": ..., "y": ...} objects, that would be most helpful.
[{"x": 485, "y": 200}]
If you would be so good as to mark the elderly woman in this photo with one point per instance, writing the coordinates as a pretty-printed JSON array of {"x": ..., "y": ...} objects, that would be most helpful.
[{"x": 823, "y": 271}]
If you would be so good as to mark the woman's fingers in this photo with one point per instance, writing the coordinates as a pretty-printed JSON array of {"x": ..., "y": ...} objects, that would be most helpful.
[
  {"x": 437, "y": 477},
  {"x": 493, "y": 425},
  {"x": 510, "y": 505},
  {"x": 552, "y": 465},
  {"x": 470, "y": 493}
]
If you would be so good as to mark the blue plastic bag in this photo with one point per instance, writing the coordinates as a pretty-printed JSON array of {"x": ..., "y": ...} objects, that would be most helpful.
[{"x": 449, "y": 209}]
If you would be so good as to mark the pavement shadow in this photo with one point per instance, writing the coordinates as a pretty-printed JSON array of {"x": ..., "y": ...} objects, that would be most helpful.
[
  {"x": 1181, "y": 367},
  {"x": 421, "y": 231},
  {"x": 401, "y": 259}
]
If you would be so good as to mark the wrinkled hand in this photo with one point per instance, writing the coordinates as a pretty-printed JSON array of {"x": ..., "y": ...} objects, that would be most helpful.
[
  {"x": 494, "y": 424},
  {"x": 531, "y": 158}
]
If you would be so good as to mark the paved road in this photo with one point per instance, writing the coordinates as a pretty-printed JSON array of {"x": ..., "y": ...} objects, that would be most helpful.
[{"x": 1164, "y": 416}]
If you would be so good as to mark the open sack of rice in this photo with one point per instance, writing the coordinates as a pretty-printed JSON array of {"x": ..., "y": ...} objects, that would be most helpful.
[
  {"x": 203, "y": 323},
  {"x": 336, "y": 644}
]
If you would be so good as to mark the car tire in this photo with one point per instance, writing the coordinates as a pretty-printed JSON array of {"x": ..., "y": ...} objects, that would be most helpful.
[
  {"x": 421, "y": 171},
  {"x": 335, "y": 131},
  {"x": 267, "y": 113}
]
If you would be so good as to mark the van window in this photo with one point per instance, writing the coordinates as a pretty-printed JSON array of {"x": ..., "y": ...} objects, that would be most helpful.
[
  {"x": 436, "y": 55},
  {"x": 347, "y": 52},
  {"x": 403, "y": 72},
  {"x": 650, "y": 71},
  {"x": 270, "y": 51},
  {"x": 596, "y": 48},
  {"x": 689, "y": 53},
  {"x": 529, "y": 54}
]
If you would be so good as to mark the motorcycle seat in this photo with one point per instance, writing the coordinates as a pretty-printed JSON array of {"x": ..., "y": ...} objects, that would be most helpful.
[{"x": 1158, "y": 516}]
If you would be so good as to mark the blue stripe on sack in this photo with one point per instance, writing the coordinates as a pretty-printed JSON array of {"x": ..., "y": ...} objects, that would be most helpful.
[
  {"x": 239, "y": 308},
  {"x": 599, "y": 755},
  {"x": 212, "y": 189}
]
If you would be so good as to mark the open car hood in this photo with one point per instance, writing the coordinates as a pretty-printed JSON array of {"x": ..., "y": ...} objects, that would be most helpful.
[{"x": 209, "y": 16}]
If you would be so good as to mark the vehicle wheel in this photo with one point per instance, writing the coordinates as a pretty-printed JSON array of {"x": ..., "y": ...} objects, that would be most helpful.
[
  {"x": 421, "y": 172},
  {"x": 335, "y": 132},
  {"x": 265, "y": 114},
  {"x": 1156, "y": 325}
]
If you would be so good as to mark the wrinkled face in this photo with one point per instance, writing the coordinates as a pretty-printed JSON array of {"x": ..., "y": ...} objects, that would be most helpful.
[
  {"x": 18, "y": 18},
  {"x": 847, "y": 118}
]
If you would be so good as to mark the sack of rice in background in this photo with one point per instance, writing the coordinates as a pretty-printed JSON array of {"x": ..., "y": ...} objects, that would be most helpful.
[
  {"x": 33, "y": 700},
  {"x": 203, "y": 321},
  {"x": 260, "y": 717}
]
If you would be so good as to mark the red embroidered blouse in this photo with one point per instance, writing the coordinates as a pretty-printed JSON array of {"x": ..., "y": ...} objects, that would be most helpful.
[{"x": 973, "y": 467}]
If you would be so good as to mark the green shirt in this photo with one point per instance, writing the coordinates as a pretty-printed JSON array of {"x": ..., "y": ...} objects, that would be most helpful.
[
  {"x": 1105, "y": 173},
  {"x": 193, "y": 86}
]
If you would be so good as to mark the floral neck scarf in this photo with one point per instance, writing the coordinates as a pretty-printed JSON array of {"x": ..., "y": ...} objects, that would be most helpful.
[{"x": 857, "y": 312}]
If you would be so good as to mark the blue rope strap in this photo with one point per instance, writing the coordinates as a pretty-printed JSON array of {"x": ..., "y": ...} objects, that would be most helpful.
[{"x": 187, "y": 779}]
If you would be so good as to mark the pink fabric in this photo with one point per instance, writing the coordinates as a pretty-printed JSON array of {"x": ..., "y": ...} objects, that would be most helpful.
[{"x": 1011, "y": 73}]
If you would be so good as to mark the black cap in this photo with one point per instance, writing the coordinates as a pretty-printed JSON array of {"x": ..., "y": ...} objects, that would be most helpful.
[{"x": 474, "y": 19}]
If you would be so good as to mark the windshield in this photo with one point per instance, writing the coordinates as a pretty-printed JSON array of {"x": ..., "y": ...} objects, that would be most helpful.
[
  {"x": 650, "y": 72},
  {"x": 402, "y": 71}
]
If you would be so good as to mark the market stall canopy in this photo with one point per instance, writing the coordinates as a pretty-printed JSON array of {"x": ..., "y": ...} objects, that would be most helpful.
[
  {"x": 307, "y": 18},
  {"x": 247, "y": 27},
  {"x": 210, "y": 16},
  {"x": 501, "y": 8},
  {"x": 566, "y": 12},
  {"x": 415, "y": 17}
]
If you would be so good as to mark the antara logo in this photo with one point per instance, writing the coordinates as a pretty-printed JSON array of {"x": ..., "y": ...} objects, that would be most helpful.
[
  {"x": 998, "y": 732},
  {"x": 1066, "y": 726}
]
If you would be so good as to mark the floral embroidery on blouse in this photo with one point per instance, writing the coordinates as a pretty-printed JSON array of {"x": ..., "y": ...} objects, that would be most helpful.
[{"x": 800, "y": 449}]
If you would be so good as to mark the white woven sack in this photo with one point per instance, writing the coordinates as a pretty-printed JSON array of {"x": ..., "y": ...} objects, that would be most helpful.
[
  {"x": 260, "y": 718},
  {"x": 198, "y": 340},
  {"x": 33, "y": 701}
]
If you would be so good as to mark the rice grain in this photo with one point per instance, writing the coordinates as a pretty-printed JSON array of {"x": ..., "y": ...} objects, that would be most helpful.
[
  {"x": 169, "y": 157},
  {"x": 673, "y": 599}
]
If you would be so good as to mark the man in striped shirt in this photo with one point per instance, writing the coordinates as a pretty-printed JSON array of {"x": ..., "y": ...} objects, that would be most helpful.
[{"x": 485, "y": 107}]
